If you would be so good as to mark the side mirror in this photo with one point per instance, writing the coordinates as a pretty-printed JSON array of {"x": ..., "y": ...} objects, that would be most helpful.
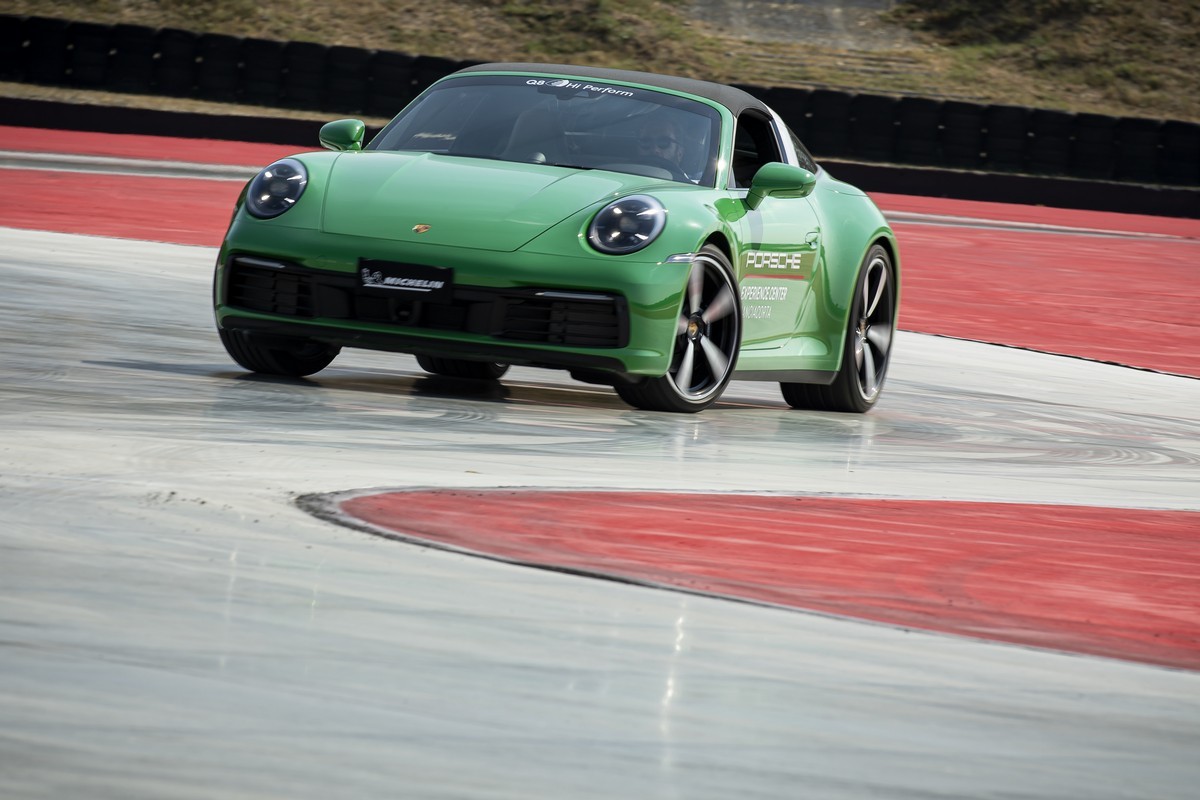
[
  {"x": 776, "y": 179},
  {"x": 343, "y": 134}
]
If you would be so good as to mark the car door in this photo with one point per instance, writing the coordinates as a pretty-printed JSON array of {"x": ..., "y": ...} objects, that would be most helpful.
[{"x": 780, "y": 245}]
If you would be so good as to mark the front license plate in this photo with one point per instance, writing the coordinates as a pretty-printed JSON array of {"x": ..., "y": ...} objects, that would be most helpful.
[{"x": 417, "y": 281}]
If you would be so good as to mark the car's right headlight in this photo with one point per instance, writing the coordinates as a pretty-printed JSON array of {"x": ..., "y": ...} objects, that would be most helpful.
[{"x": 276, "y": 189}]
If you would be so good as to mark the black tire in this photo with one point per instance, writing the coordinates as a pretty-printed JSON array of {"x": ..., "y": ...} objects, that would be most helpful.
[
  {"x": 707, "y": 339},
  {"x": 461, "y": 368},
  {"x": 867, "y": 353},
  {"x": 278, "y": 355}
]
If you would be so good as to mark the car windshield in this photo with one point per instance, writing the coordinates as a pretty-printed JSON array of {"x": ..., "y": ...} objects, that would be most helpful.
[{"x": 580, "y": 124}]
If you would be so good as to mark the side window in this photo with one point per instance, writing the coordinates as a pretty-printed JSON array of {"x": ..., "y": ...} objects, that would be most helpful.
[
  {"x": 754, "y": 144},
  {"x": 803, "y": 157}
]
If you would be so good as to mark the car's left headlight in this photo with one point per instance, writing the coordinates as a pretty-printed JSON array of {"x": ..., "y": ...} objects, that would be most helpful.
[
  {"x": 627, "y": 225},
  {"x": 276, "y": 189}
]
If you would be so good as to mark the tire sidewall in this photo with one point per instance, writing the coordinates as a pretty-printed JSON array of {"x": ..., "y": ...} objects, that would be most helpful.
[{"x": 848, "y": 376}]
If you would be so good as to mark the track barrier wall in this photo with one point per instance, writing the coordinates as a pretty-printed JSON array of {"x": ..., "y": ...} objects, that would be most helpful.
[{"x": 836, "y": 125}]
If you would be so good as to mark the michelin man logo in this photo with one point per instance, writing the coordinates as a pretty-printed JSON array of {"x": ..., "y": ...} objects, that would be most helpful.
[{"x": 377, "y": 278}]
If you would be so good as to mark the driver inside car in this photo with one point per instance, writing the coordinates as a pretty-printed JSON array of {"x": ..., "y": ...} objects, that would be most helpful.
[{"x": 661, "y": 138}]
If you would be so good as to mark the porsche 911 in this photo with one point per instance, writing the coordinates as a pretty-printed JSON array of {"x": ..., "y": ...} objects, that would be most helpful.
[{"x": 659, "y": 235}]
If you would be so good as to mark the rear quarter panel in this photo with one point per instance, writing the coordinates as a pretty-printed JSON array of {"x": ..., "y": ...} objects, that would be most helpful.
[{"x": 851, "y": 225}]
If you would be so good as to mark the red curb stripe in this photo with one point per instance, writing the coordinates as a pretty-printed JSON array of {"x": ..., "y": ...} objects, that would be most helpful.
[
  {"x": 127, "y": 145},
  {"x": 194, "y": 211},
  {"x": 1117, "y": 300},
  {"x": 1123, "y": 583}
]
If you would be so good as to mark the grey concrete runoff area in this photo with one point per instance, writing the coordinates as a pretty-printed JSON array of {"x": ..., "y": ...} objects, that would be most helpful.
[{"x": 172, "y": 625}]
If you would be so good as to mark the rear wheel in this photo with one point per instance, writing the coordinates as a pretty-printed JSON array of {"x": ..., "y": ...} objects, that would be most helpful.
[
  {"x": 272, "y": 355},
  {"x": 707, "y": 338},
  {"x": 868, "y": 346},
  {"x": 461, "y": 368}
]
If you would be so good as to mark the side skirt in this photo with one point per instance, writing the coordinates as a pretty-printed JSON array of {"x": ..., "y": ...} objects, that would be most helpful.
[{"x": 817, "y": 376}]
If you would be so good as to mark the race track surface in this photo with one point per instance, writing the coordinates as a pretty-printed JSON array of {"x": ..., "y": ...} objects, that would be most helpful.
[{"x": 174, "y": 622}]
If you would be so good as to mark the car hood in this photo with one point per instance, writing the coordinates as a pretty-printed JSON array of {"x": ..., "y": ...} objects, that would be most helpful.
[{"x": 465, "y": 202}]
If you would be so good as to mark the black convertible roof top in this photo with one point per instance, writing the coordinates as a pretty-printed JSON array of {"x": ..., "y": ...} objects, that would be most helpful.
[{"x": 734, "y": 99}]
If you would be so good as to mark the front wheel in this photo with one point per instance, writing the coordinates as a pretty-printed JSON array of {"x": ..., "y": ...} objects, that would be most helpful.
[
  {"x": 272, "y": 355},
  {"x": 707, "y": 337},
  {"x": 868, "y": 349}
]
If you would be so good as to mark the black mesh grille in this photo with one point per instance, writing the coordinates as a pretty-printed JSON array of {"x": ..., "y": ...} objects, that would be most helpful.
[
  {"x": 522, "y": 315},
  {"x": 568, "y": 322},
  {"x": 271, "y": 292}
]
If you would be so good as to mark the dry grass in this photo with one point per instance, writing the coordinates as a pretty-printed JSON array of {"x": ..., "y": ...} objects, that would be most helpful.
[
  {"x": 1129, "y": 57},
  {"x": 1122, "y": 57}
]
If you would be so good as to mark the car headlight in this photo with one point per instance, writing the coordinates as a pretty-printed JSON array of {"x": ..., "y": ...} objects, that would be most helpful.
[
  {"x": 276, "y": 189},
  {"x": 627, "y": 225}
]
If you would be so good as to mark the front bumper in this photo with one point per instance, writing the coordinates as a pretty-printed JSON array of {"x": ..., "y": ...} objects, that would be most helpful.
[{"x": 584, "y": 312}]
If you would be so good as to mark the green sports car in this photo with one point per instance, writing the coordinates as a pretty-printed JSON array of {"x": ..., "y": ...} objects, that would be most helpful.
[{"x": 660, "y": 235}]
